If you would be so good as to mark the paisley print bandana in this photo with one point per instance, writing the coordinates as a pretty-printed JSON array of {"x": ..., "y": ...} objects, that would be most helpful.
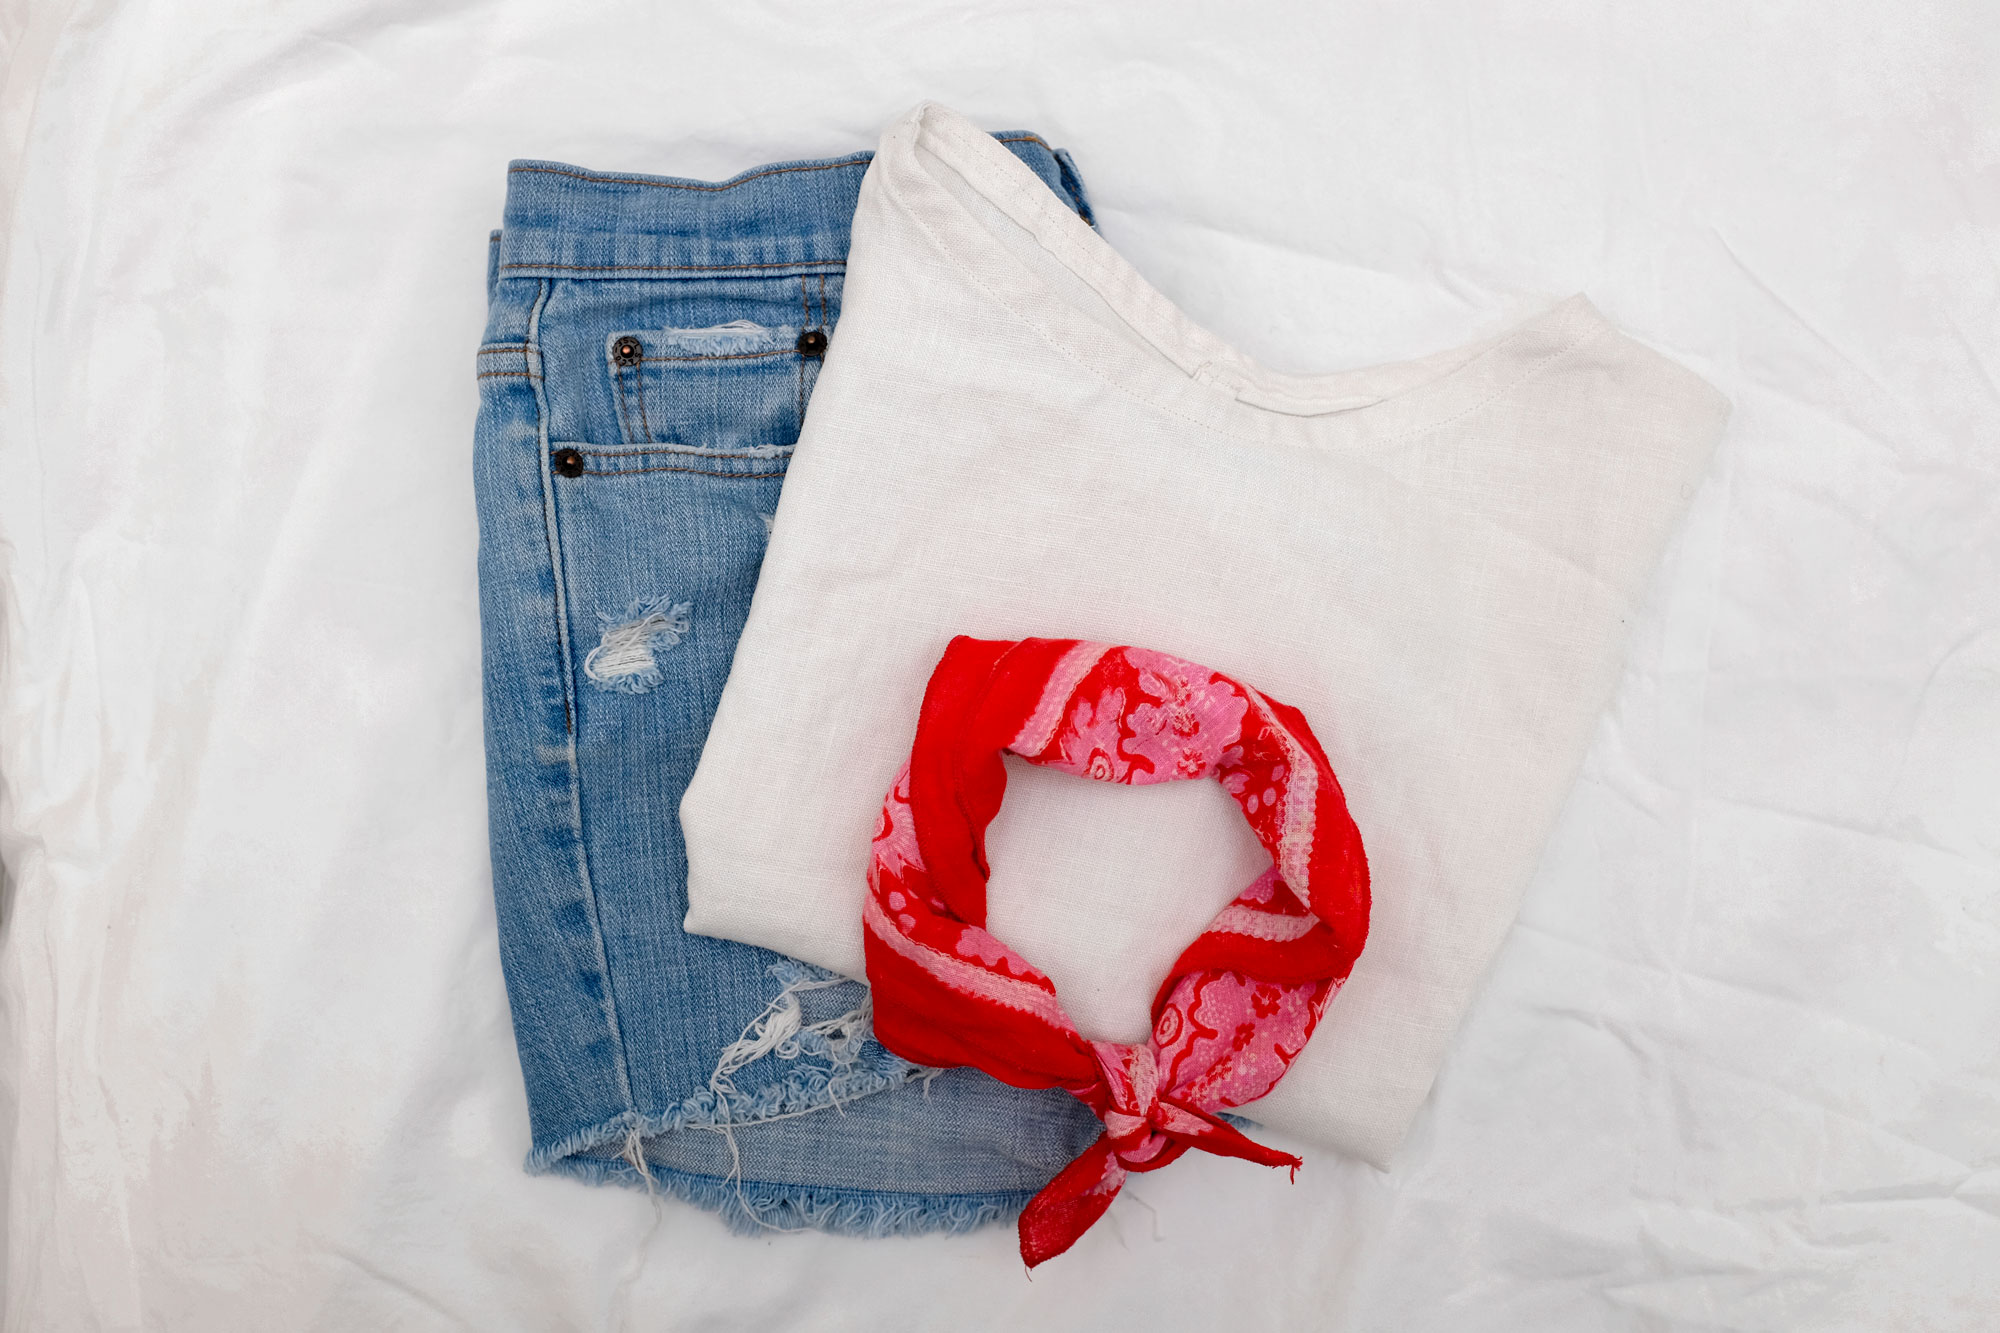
[{"x": 1240, "y": 1001}]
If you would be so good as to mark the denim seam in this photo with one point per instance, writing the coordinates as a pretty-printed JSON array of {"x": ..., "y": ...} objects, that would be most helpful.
[
  {"x": 726, "y": 356},
  {"x": 1066, "y": 168},
  {"x": 639, "y": 393},
  {"x": 805, "y": 393},
  {"x": 807, "y": 383},
  {"x": 700, "y": 187},
  {"x": 684, "y": 268},
  {"x": 698, "y": 471},
  {"x": 624, "y": 417},
  {"x": 805, "y": 320},
  {"x": 625, "y": 408},
  {"x": 552, "y": 532},
  {"x": 590, "y": 450},
  {"x": 734, "y": 181},
  {"x": 532, "y": 352}
]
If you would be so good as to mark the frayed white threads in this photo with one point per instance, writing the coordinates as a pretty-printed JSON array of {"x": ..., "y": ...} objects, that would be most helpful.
[
  {"x": 776, "y": 1031},
  {"x": 634, "y": 1152},
  {"x": 625, "y": 657}
]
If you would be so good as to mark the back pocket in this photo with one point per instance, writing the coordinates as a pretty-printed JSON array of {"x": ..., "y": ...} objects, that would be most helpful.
[{"x": 735, "y": 386}]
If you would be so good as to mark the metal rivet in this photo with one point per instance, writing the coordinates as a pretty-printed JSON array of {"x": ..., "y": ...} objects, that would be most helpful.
[
  {"x": 626, "y": 351},
  {"x": 567, "y": 463},
  {"x": 812, "y": 342}
]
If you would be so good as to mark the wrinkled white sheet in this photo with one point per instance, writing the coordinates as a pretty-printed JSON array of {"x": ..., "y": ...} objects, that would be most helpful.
[{"x": 1735, "y": 1068}]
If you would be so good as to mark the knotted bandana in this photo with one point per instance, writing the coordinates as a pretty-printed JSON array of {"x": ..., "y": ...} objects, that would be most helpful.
[{"x": 1240, "y": 1001}]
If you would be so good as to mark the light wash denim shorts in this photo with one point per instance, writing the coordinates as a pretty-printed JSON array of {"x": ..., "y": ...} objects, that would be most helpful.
[{"x": 650, "y": 348}]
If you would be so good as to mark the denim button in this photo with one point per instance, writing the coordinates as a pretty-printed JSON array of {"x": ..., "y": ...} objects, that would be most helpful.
[
  {"x": 627, "y": 351},
  {"x": 567, "y": 463},
  {"x": 812, "y": 342}
]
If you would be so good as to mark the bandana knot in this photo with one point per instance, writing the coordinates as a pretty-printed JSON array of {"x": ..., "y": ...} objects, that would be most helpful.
[
  {"x": 1133, "y": 1116},
  {"x": 1240, "y": 1001}
]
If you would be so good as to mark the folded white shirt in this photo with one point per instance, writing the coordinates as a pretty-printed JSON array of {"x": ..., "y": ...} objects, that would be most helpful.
[{"x": 1014, "y": 435}]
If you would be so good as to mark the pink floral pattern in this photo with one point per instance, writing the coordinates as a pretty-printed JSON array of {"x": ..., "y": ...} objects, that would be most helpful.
[
  {"x": 1181, "y": 721},
  {"x": 987, "y": 948},
  {"x": 1192, "y": 717},
  {"x": 1090, "y": 742},
  {"x": 895, "y": 846}
]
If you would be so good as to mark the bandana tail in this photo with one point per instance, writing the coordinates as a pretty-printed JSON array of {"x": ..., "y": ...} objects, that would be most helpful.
[
  {"x": 1218, "y": 1136},
  {"x": 1070, "y": 1204}
]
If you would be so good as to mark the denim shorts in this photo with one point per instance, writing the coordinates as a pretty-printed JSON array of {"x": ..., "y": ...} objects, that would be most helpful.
[{"x": 650, "y": 349}]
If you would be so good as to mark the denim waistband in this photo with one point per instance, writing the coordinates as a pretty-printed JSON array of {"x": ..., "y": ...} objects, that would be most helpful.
[{"x": 565, "y": 222}]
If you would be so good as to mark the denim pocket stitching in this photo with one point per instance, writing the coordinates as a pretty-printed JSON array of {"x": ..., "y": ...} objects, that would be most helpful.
[
  {"x": 668, "y": 447},
  {"x": 625, "y": 407},
  {"x": 726, "y": 356},
  {"x": 639, "y": 392},
  {"x": 774, "y": 459},
  {"x": 835, "y": 264},
  {"x": 805, "y": 322},
  {"x": 697, "y": 471}
]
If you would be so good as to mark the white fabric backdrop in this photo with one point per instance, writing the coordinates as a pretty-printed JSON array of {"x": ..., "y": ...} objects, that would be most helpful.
[{"x": 1736, "y": 1066}]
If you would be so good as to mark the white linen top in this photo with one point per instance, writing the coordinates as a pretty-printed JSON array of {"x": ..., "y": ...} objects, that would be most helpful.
[{"x": 1015, "y": 435}]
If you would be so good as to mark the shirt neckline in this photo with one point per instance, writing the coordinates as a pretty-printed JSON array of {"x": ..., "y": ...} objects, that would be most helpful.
[{"x": 1172, "y": 362}]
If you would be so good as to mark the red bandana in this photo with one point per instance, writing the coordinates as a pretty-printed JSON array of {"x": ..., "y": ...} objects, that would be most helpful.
[{"x": 1241, "y": 1000}]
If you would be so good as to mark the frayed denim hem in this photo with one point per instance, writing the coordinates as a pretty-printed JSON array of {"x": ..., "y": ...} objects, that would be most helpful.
[
  {"x": 806, "y": 1091},
  {"x": 614, "y": 1151},
  {"x": 758, "y": 1208}
]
